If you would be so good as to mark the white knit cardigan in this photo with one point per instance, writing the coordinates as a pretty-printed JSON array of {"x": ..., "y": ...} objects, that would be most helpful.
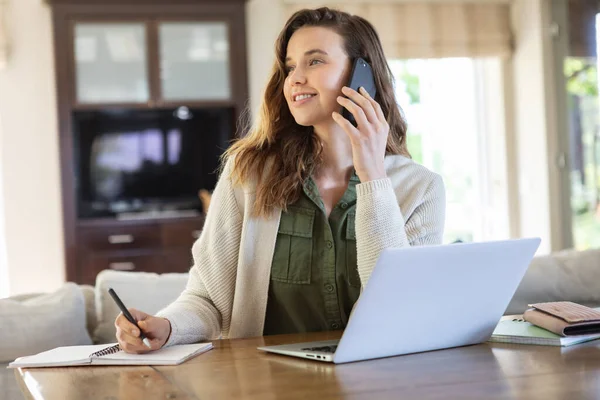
[{"x": 226, "y": 294}]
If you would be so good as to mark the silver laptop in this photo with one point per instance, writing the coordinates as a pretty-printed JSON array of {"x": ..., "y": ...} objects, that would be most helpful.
[{"x": 427, "y": 298}]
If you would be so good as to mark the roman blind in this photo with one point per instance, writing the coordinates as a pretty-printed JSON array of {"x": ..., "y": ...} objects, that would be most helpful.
[{"x": 431, "y": 29}]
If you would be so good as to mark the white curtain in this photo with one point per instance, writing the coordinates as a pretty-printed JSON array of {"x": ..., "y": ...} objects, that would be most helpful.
[{"x": 429, "y": 29}]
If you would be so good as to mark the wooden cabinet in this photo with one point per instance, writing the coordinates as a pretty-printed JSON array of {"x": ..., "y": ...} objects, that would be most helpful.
[
  {"x": 119, "y": 237},
  {"x": 110, "y": 62},
  {"x": 96, "y": 262},
  {"x": 151, "y": 62},
  {"x": 194, "y": 61},
  {"x": 114, "y": 56},
  {"x": 151, "y": 246},
  {"x": 181, "y": 234}
]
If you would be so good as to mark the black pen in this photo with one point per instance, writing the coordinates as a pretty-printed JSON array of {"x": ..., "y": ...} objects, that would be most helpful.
[{"x": 129, "y": 317}]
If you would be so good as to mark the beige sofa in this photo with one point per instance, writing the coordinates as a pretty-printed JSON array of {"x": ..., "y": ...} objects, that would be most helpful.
[
  {"x": 77, "y": 315},
  {"x": 565, "y": 275}
]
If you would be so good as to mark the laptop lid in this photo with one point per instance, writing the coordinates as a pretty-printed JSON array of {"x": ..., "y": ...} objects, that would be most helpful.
[{"x": 433, "y": 297}]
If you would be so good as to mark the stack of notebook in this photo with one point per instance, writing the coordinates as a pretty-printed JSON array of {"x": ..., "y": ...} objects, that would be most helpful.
[
  {"x": 559, "y": 323},
  {"x": 522, "y": 332}
]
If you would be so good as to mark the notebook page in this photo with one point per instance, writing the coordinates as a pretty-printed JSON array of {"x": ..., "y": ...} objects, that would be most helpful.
[
  {"x": 60, "y": 356},
  {"x": 167, "y": 356}
]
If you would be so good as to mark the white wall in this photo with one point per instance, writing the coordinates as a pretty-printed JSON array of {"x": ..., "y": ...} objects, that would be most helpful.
[
  {"x": 264, "y": 20},
  {"x": 4, "y": 284},
  {"x": 530, "y": 121},
  {"x": 536, "y": 130},
  {"x": 29, "y": 146}
]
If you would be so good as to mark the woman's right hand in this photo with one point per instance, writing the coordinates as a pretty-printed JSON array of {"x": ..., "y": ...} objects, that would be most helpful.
[{"x": 156, "y": 329}]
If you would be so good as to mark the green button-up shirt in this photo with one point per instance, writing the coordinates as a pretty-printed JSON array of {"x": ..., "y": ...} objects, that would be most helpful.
[{"x": 314, "y": 276}]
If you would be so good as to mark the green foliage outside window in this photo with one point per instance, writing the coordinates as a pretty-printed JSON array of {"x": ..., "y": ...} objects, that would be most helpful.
[{"x": 581, "y": 76}]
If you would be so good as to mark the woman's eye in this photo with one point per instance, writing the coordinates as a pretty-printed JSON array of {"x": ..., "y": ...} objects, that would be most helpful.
[
  {"x": 313, "y": 62},
  {"x": 289, "y": 69}
]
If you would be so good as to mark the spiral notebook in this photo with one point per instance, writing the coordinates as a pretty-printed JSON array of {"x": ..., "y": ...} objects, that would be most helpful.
[
  {"x": 517, "y": 330},
  {"x": 109, "y": 355}
]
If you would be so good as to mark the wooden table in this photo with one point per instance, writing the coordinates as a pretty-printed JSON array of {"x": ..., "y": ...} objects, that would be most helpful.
[{"x": 235, "y": 369}]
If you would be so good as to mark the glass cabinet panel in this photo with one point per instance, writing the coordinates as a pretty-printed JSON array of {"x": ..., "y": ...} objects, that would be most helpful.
[
  {"x": 111, "y": 63},
  {"x": 194, "y": 61}
]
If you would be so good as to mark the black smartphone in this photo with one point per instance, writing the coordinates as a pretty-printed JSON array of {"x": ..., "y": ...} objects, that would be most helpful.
[{"x": 361, "y": 75}]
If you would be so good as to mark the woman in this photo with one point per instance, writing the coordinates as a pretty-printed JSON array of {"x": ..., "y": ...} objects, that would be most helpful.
[{"x": 306, "y": 201}]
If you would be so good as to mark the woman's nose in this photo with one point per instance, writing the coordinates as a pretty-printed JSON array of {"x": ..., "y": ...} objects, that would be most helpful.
[{"x": 298, "y": 77}]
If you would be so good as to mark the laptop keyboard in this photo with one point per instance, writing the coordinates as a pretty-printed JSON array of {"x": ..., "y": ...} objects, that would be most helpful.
[{"x": 323, "y": 349}]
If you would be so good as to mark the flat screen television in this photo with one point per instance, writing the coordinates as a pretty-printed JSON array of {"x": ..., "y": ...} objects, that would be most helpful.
[{"x": 130, "y": 162}]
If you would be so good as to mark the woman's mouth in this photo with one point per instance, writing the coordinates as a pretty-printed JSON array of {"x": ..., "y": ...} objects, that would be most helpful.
[{"x": 302, "y": 98}]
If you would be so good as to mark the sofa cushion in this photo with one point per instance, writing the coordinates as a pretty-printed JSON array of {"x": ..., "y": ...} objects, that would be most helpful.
[
  {"x": 568, "y": 275},
  {"x": 89, "y": 294},
  {"x": 42, "y": 322},
  {"x": 144, "y": 291}
]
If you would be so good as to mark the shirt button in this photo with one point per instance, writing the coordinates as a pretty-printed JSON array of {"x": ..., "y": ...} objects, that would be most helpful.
[
  {"x": 329, "y": 288},
  {"x": 335, "y": 325},
  {"x": 329, "y": 244},
  {"x": 344, "y": 205}
]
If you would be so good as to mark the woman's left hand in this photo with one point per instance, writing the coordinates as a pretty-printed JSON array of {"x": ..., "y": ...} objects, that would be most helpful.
[{"x": 369, "y": 137}]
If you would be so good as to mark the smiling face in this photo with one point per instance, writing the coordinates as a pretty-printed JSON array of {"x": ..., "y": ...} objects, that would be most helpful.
[{"x": 317, "y": 67}]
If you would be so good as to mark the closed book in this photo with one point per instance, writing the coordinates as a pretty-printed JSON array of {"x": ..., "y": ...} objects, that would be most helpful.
[{"x": 519, "y": 331}]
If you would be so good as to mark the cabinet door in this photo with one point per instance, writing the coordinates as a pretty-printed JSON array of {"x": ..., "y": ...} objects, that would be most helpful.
[
  {"x": 114, "y": 238},
  {"x": 194, "y": 61},
  {"x": 92, "y": 263},
  {"x": 182, "y": 234},
  {"x": 111, "y": 63}
]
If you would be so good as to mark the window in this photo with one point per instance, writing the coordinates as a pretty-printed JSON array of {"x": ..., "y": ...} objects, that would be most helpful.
[
  {"x": 584, "y": 145},
  {"x": 454, "y": 116}
]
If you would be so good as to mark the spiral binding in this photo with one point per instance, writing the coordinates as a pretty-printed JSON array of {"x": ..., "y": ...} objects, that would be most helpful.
[{"x": 106, "y": 351}]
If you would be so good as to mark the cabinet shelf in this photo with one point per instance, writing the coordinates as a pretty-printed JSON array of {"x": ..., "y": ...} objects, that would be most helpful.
[{"x": 140, "y": 55}]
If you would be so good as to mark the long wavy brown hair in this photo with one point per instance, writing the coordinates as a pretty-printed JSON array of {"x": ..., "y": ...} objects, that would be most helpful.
[{"x": 280, "y": 154}]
